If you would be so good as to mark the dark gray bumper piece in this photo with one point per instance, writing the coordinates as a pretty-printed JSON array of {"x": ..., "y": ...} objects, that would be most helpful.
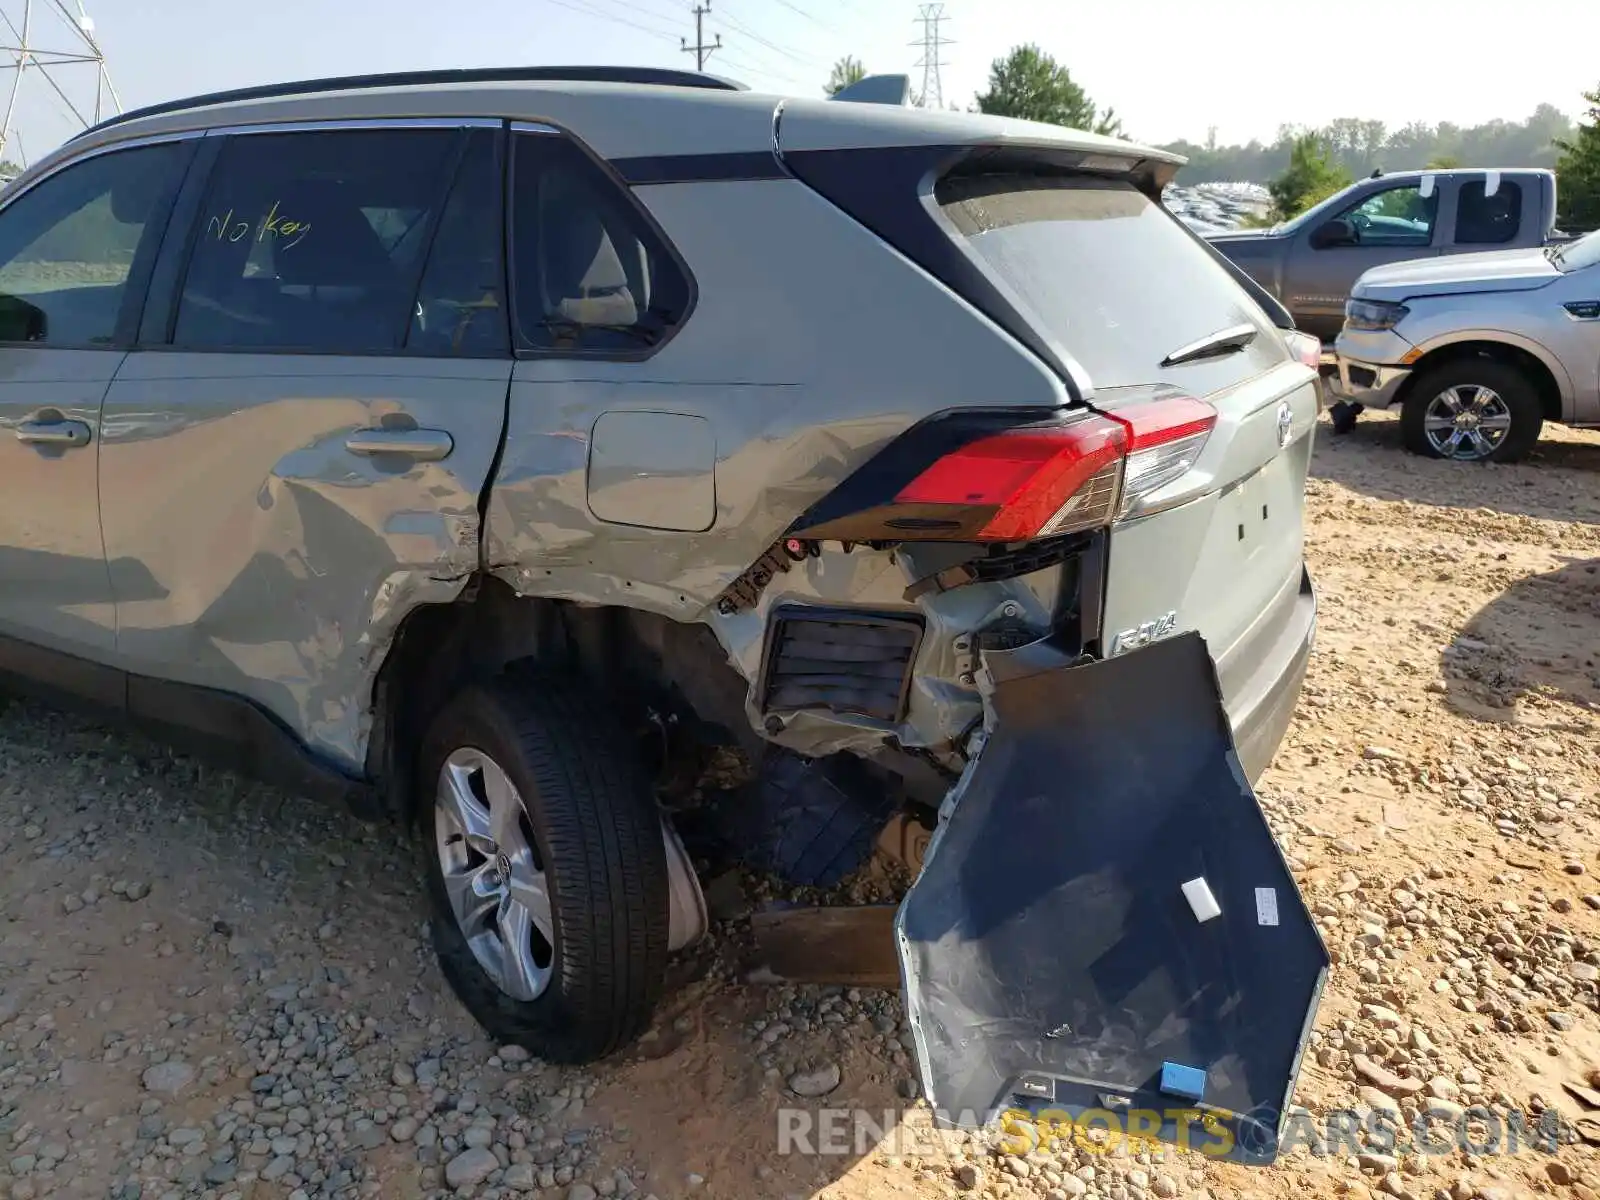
[
  {"x": 1105, "y": 931},
  {"x": 1263, "y": 721}
]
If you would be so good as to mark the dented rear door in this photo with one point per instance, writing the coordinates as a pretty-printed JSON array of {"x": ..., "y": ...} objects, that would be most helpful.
[
  {"x": 1105, "y": 934},
  {"x": 295, "y": 456}
]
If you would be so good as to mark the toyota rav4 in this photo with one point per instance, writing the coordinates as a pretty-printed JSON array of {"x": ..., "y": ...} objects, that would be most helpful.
[{"x": 477, "y": 444}]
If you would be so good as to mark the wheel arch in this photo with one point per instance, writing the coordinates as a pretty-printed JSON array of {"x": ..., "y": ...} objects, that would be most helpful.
[
  {"x": 1542, "y": 368},
  {"x": 639, "y": 660}
]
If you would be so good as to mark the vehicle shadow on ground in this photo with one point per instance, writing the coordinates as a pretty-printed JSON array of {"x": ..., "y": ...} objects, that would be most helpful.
[
  {"x": 1370, "y": 460},
  {"x": 1535, "y": 647},
  {"x": 318, "y": 922}
]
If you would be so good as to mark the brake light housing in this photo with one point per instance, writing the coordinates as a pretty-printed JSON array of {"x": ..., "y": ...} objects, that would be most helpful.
[
  {"x": 1039, "y": 482},
  {"x": 1018, "y": 483},
  {"x": 1305, "y": 348}
]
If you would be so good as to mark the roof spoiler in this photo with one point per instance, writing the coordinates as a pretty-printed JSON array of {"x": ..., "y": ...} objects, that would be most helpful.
[{"x": 877, "y": 89}]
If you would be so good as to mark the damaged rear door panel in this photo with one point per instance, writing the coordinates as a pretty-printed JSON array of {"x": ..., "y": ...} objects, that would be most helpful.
[
  {"x": 1104, "y": 930},
  {"x": 295, "y": 456}
]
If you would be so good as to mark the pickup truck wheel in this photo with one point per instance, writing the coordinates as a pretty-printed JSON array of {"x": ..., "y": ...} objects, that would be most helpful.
[
  {"x": 546, "y": 870},
  {"x": 1478, "y": 410}
]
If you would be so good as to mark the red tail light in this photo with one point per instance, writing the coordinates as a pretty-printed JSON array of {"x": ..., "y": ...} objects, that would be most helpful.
[{"x": 1066, "y": 478}]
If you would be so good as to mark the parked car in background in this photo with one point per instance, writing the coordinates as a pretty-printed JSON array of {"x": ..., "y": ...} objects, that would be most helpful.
[
  {"x": 1311, "y": 262},
  {"x": 1477, "y": 352},
  {"x": 484, "y": 445}
]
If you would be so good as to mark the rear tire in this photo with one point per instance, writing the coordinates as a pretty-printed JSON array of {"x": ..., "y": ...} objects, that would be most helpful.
[
  {"x": 580, "y": 827},
  {"x": 1473, "y": 410}
]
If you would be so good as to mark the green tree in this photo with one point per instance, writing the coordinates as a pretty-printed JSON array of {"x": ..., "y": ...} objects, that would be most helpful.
[
  {"x": 1361, "y": 145},
  {"x": 846, "y": 71},
  {"x": 1442, "y": 162},
  {"x": 1578, "y": 170},
  {"x": 1029, "y": 84},
  {"x": 1312, "y": 175}
]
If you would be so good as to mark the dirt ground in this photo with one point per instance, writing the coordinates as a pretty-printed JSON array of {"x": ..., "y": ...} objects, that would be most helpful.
[{"x": 211, "y": 989}]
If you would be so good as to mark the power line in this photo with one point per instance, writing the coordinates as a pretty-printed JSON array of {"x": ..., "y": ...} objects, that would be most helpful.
[
  {"x": 795, "y": 8},
  {"x": 587, "y": 11},
  {"x": 701, "y": 48},
  {"x": 756, "y": 69},
  {"x": 930, "y": 15},
  {"x": 799, "y": 59},
  {"x": 653, "y": 25}
]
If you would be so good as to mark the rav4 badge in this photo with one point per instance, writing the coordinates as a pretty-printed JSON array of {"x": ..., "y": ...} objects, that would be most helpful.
[{"x": 1143, "y": 635}]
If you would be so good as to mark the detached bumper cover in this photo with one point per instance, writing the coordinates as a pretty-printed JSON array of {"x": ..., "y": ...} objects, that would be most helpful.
[
  {"x": 1105, "y": 931},
  {"x": 1370, "y": 385}
]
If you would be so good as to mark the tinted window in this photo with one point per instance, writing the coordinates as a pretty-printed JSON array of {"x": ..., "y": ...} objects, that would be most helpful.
[
  {"x": 1485, "y": 218},
  {"x": 314, "y": 240},
  {"x": 461, "y": 307},
  {"x": 1110, "y": 275},
  {"x": 1397, "y": 216},
  {"x": 590, "y": 273},
  {"x": 69, "y": 244}
]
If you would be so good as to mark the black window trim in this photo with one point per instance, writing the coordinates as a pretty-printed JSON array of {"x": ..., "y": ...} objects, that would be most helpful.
[
  {"x": 520, "y": 347},
  {"x": 131, "y": 307}
]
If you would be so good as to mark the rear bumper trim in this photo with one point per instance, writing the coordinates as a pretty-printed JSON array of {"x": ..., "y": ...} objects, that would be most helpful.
[{"x": 1055, "y": 966}]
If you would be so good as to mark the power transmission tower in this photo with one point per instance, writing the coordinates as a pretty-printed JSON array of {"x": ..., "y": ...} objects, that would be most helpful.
[
  {"x": 67, "y": 42},
  {"x": 930, "y": 15},
  {"x": 701, "y": 49}
]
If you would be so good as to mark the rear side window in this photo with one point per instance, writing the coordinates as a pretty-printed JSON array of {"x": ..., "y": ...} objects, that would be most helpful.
[
  {"x": 591, "y": 274},
  {"x": 460, "y": 307},
  {"x": 1488, "y": 219},
  {"x": 69, "y": 244},
  {"x": 315, "y": 240},
  {"x": 1110, "y": 276}
]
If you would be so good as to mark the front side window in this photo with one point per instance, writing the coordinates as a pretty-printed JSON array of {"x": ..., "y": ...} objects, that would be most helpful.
[
  {"x": 1485, "y": 218},
  {"x": 591, "y": 274},
  {"x": 69, "y": 244},
  {"x": 1398, "y": 216},
  {"x": 314, "y": 240}
]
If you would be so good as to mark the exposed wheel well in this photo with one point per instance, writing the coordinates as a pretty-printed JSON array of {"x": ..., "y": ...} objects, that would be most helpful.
[
  {"x": 648, "y": 665},
  {"x": 1538, "y": 374}
]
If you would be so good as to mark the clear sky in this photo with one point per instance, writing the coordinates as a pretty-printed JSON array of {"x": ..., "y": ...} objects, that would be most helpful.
[{"x": 1172, "y": 68}]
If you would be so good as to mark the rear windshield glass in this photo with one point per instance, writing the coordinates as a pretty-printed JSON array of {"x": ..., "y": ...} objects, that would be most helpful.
[{"x": 1111, "y": 276}]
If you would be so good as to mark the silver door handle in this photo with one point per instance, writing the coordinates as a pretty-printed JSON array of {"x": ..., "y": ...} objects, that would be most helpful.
[
  {"x": 53, "y": 433},
  {"x": 424, "y": 445}
]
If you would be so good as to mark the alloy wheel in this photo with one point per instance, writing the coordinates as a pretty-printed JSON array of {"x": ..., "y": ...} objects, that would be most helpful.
[
  {"x": 495, "y": 880},
  {"x": 1466, "y": 422}
]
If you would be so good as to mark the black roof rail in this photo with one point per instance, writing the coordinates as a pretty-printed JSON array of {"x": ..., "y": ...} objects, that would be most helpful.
[{"x": 656, "y": 76}]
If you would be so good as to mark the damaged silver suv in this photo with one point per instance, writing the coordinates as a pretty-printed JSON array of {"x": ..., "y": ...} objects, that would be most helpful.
[{"x": 493, "y": 446}]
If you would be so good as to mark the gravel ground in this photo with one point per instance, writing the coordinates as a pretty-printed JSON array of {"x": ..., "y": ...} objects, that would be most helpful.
[{"x": 210, "y": 989}]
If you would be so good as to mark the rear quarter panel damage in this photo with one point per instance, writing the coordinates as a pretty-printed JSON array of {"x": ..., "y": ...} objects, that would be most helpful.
[{"x": 810, "y": 347}]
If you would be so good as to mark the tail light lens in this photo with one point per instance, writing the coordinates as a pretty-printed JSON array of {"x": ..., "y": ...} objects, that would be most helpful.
[
  {"x": 1062, "y": 479},
  {"x": 1305, "y": 348},
  {"x": 1167, "y": 438}
]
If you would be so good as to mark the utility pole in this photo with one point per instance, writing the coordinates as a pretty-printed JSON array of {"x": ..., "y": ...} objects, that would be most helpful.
[
  {"x": 930, "y": 15},
  {"x": 701, "y": 48}
]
